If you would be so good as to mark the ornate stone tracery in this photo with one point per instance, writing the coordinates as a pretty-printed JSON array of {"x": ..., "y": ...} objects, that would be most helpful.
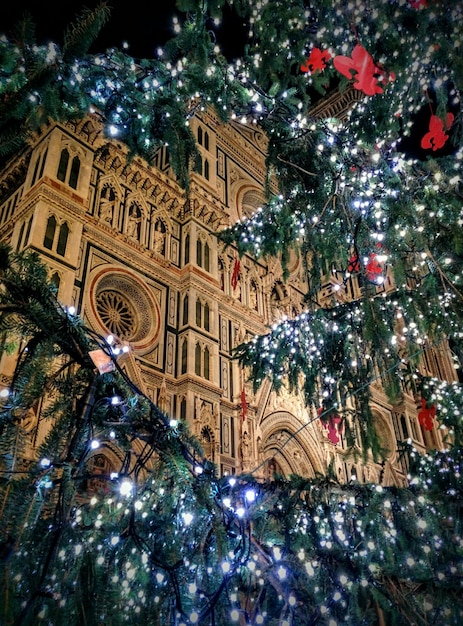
[{"x": 122, "y": 305}]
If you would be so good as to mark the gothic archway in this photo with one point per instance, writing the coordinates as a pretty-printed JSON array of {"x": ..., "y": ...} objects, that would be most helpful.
[
  {"x": 287, "y": 448},
  {"x": 207, "y": 440}
]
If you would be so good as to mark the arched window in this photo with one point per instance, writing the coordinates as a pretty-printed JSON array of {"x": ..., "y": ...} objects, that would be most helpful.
[
  {"x": 221, "y": 275},
  {"x": 206, "y": 364},
  {"x": 62, "y": 239},
  {"x": 198, "y": 360},
  {"x": 206, "y": 317},
  {"x": 56, "y": 280},
  {"x": 203, "y": 255},
  {"x": 206, "y": 169},
  {"x": 185, "y": 310},
  {"x": 50, "y": 233},
  {"x": 184, "y": 356},
  {"x": 253, "y": 296},
  {"x": 21, "y": 235},
  {"x": 198, "y": 312},
  {"x": 207, "y": 442},
  {"x": 28, "y": 232},
  {"x": 74, "y": 175},
  {"x": 63, "y": 174},
  {"x": 203, "y": 137},
  {"x": 183, "y": 409},
  {"x": 187, "y": 250},
  {"x": 36, "y": 170},
  {"x": 42, "y": 166},
  {"x": 207, "y": 255},
  {"x": 63, "y": 165},
  {"x": 404, "y": 425}
]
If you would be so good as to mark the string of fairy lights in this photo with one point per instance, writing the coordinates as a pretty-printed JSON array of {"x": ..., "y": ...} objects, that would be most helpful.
[{"x": 237, "y": 499}]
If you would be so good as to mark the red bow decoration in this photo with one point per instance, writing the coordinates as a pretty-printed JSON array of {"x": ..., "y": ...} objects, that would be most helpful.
[
  {"x": 363, "y": 69},
  {"x": 426, "y": 416},
  {"x": 236, "y": 274},
  {"x": 316, "y": 61},
  {"x": 418, "y": 4},
  {"x": 373, "y": 267},
  {"x": 435, "y": 138},
  {"x": 333, "y": 425}
]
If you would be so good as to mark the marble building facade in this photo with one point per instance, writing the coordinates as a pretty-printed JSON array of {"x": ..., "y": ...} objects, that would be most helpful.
[{"x": 139, "y": 259}]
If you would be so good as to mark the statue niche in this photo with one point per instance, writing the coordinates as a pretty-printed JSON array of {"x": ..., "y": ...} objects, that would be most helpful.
[
  {"x": 134, "y": 221},
  {"x": 159, "y": 241},
  {"x": 207, "y": 441},
  {"x": 107, "y": 204}
]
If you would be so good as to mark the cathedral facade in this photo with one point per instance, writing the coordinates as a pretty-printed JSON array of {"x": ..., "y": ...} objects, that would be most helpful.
[{"x": 140, "y": 260}]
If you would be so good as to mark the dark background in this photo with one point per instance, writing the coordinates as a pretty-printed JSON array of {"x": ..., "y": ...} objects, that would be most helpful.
[{"x": 143, "y": 24}]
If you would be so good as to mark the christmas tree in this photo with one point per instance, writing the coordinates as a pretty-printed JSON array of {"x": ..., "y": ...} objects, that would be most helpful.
[{"x": 370, "y": 195}]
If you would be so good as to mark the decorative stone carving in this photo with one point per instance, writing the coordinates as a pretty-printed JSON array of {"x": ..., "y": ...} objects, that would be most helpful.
[
  {"x": 121, "y": 304},
  {"x": 107, "y": 204},
  {"x": 134, "y": 220},
  {"x": 159, "y": 238},
  {"x": 245, "y": 450}
]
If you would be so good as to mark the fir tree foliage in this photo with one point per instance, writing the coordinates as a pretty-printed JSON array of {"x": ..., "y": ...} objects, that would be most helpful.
[{"x": 164, "y": 539}]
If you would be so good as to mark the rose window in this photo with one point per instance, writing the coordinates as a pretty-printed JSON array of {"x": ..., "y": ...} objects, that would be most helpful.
[
  {"x": 116, "y": 314},
  {"x": 123, "y": 305}
]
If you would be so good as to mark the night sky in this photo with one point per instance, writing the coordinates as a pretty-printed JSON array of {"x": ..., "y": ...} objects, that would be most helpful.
[{"x": 143, "y": 24}]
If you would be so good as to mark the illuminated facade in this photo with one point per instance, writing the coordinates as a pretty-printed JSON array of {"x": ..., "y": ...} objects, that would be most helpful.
[{"x": 139, "y": 259}]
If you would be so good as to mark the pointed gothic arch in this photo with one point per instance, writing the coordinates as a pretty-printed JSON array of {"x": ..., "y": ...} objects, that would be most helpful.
[
  {"x": 108, "y": 201},
  {"x": 135, "y": 217},
  {"x": 208, "y": 443},
  {"x": 295, "y": 449}
]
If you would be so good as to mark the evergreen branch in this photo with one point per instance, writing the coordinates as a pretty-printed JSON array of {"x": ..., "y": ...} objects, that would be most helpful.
[
  {"x": 80, "y": 35},
  {"x": 445, "y": 279},
  {"x": 296, "y": 166}
]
